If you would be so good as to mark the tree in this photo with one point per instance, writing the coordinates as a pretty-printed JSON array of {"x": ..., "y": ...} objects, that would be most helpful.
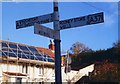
[
  {"x": 116, "y": 44},
  {"x": 106, "y": 72},
  {"x": 78, "y": 48}
]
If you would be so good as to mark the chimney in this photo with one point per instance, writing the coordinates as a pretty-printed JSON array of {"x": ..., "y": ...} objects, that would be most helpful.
[{"x": 51, "y": 46}]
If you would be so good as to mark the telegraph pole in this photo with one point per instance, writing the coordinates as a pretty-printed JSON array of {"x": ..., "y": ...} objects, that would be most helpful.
[{"x": 58, "y": 78}]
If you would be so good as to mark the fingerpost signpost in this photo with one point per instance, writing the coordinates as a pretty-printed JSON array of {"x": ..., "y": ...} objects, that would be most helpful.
[{"x": 55, "y": 33}]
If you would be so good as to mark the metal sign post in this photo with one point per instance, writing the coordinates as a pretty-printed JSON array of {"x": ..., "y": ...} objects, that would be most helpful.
[{"x": 58, "y": 77}]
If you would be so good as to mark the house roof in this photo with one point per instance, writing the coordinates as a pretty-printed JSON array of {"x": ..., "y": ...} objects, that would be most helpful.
[{"x": 37, "y": 53}]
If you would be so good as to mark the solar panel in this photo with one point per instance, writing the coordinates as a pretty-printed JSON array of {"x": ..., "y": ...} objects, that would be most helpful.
[
  {"x": 23, "y": 56},
  {"x": 15, "y": 51},
  {"x": 13, "y": 45},
  {"x": 38, "y": 55},
  {"x": 40, "y": 58},
  {"x": 36, "y": 58},
  {"x": 23, "y": 47},
  {"x": 30, "y": 54},
  {"x": 32, "y": 49},
  {"x": 50, "y": 60},
  {"x": 26, "y": 52},
  {"x": 4, "y": 45},
  {"x": 48, "y": 56},
  {"x": 19, "y": 51},
  {"x": 19, "y": 55},
  {"x": 7, "y": 50},
  {"x": 32, "y": 57},
  {"x": 4, "y": 49},
  {"x": 4, "y": 53},
  {"x": 12, "y": 55},
  {"x": 45, "y": 59},
  {"x": 45, "y": 55}
]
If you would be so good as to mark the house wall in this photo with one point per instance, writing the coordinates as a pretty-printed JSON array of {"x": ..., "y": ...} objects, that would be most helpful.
[
  {"x": 83, "y": 72},
  {"x": 39, "y": 74},
  {"x": 33, "y": 72}
]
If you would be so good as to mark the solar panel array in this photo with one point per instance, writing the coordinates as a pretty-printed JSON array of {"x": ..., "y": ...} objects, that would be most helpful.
[{"x": 23, "y": 51}]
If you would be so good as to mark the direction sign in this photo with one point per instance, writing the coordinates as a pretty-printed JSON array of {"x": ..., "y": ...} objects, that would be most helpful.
[
  {"x": 45, "y": 31},
  {"x": 30, "y": 21},
  {"x": 82, "y": 21}
]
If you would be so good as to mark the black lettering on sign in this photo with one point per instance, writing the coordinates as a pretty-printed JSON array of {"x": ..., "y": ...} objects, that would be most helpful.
[
  {"x": 96, "y": 18},
  {"x": 71, "y": 20},
  {"x": 65, "y": 26},
  {"x": 66, "y": 21},
  {"x": 46, "y": 34},
  {"x": 79, "y": 19},
  {"x": 101, "y": 18},
  {"x": 43, "y": 33},
  {"x": 26, "y": 22},
  {"x": 91, "y": 19},
  {"x": 44, "y": 21}
]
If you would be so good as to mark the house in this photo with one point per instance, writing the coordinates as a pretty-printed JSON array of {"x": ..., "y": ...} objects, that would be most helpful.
[{"x": 23, "y": 63}]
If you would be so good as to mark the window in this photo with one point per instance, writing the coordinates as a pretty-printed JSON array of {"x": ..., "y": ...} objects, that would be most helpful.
[
  {"x": 52, "y": 82},
  {"x": 18, "y": 80},
  {"x": 24, "y": 69},
  {"x": 41, "y": 82},
  {"x": 40, "y": 71}
]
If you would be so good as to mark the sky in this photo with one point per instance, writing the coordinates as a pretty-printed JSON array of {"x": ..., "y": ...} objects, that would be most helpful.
[
  {"x": 97, "y": 36},
  {"x": 60, "y": 0}
]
